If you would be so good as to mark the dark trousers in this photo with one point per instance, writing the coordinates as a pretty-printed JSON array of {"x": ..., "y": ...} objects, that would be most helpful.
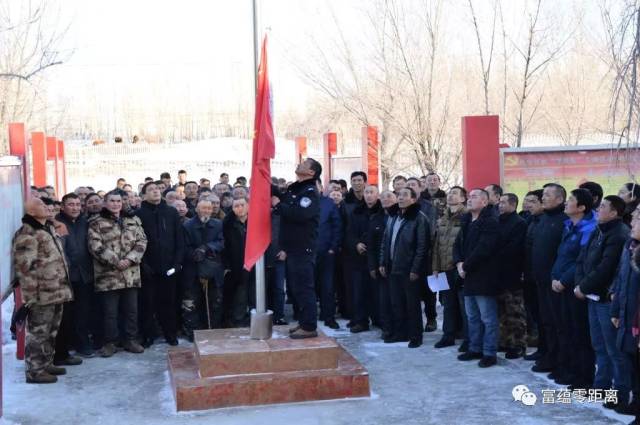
[
  {"x": 562, "y": 321},
  {"x": 158, "y": 295},
  {"x": 373, "y": 300},
  {"x": 236, "y": 298},
  {"x": 384, "y": 298},
  {"x": 300, "y": 271},
  {"x": 202, "y": 301},
  {"x": 582, "y": 363},
  {"x": 533, "y": 311},
  {"x": 120, "y": 303},
  {"x": 465, "y": 321},
  {"x": 324, "y": 274},
  {"x": 96, "y": 320},
  {"x": 548, "y": 333},
  {"x": 453, "y": 313},
  {"x": 358, "y": 284},
  {"x": 429, "y": 297},
  {"x": 64, "y": 337},
  {"x": 275, "y": 287},
  {"x": 405, "y": 303},
  {"x": 344, "y": 288},
  {"x": 82, "y": 294}
]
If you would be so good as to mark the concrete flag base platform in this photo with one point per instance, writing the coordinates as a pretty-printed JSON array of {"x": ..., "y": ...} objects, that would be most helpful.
[{"x": 226, "y": 368}]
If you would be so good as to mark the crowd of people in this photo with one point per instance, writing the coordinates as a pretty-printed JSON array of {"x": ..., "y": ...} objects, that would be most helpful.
[{"x": 107, "y": 271}]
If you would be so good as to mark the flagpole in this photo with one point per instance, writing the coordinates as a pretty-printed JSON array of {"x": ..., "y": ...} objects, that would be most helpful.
[
  {"x": 261, "y": 320},
  {"x": 261, "y": 305}
]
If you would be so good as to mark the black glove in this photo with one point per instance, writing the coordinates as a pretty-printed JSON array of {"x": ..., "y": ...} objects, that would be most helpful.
[{"x": 199, "y": 254}]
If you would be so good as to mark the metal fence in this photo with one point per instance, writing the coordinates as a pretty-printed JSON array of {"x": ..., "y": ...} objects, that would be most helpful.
[{"x": 100, "y": 166}]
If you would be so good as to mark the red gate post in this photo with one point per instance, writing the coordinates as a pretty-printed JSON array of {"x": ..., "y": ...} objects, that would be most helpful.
[
  {"x": 63, "y": 169},
  {"x": 52, "y": 155},
  {"x": 301, "y": 148},
  {"x": 480, "y": 151},
  {"x": 329, "y": 150},
  {"x": 39, "y": 159},
  {"x": 371, "y": 154}
]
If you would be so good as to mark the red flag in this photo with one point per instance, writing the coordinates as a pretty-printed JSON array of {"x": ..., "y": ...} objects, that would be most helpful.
[{"x": 264, "y": 148}]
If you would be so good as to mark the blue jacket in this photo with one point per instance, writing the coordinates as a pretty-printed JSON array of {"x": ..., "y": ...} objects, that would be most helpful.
[
  {"x": 330, "y": 226},
  {"x": 574, "y": 238},
  {"x": 624, "y": 305}
]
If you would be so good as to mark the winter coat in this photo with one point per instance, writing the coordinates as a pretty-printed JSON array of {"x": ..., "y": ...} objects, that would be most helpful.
[
  {"x": 375, "y": 233},
  {"x": 165, "y": 238},
  {"x": 358, "y": 231},
  {"x": 235, "y": 235},
  {"x": 329, "y": 227},
  {"x": 546, "y": 240},
  {"x": 574, "y": 238},
  {"x": 447, "y": 231},
  {"x": 624, "y": 306},
  {"x": 510, "y": 250},
  {"x": 299, "y": 211},
  {"x": 532, "y": 225},
  {"x": 598, "y": 261},
  {"x": 209, "y": 237},
  {"x": 39, "y": 264},
  {"x": 476, "y": 247},
  {"x": 438, "y": 200},
  {"x": 111, "y": 240},
  {"x": 412, "y": 242},
  {"x": 274, "y": 246},
  {"x": 76, "y": 249}
]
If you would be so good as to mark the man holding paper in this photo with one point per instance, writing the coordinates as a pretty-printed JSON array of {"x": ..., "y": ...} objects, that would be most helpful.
[{"x": 443, "y": 266}]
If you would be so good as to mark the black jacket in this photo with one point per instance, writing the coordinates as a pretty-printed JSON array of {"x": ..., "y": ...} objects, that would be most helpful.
[
  {"x": 165, "y": 237},
  {"x": 476, "y": 246},
  {"x": 235, "y": 236},
  {"x": 76, "y": 249},
  {"x": 510, "y": 252},
  {"x": 274, "y": 246},
  {"x": 358, "y": 231},
  {"x": 412, "y": 243},
  {"x": 299, "y": 211},
  {"x": 207, "y": 236},
  {"x": 546, "y": 241},
  {"x": 375, "y": 233},
  {"x": 597, "y": 263},
  {"x": 532, "y": 226}
]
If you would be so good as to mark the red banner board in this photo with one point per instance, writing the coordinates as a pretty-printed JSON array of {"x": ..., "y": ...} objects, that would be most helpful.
[{"x": 528, "y": 169}]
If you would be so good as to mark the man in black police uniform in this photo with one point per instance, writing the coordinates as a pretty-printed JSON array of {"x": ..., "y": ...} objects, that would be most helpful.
[{"x": 299, "y": 211}]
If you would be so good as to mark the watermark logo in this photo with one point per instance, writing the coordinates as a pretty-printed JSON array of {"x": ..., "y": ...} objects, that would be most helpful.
[{"x": 522, "y": 394}]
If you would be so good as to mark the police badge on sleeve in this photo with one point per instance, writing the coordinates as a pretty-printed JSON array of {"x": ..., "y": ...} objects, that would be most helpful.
[{"x": 305, "y": 202}]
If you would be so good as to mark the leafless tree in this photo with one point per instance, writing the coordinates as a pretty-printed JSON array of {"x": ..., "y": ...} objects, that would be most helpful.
[
  {"x": 538, "y": 52},
  {"x": 31, "y": 34},
  {"x": 485, "y": 64},
  {"x": 623, "y": 43}
]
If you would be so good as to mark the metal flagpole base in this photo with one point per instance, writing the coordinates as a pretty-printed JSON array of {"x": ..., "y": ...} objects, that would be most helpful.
[{"x": 261, "y": 324}]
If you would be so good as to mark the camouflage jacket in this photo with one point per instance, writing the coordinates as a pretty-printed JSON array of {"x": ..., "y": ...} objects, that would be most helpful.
[
  {"x": 112, "y": 240},
  {"x": 39, "y": 264},
  {"x": 446, "y": 233}
]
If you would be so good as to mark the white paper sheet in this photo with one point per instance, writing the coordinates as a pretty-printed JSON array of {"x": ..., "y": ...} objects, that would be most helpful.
[{"x": 439, "y": 283}]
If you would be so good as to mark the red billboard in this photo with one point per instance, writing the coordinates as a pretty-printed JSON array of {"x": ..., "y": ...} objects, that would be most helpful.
[{"x": 527, "y": 169}]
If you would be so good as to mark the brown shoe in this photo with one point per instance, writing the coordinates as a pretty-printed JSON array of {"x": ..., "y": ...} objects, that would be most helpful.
[
  {"x": 108, "y": 350},
  {"x": 42, "y": 378},
  {"x": 133, "y": 347},
  {"x": 294, "y": 329},
  {"x": 55, "y": 370},
  {"x": 302, "y": 334}
]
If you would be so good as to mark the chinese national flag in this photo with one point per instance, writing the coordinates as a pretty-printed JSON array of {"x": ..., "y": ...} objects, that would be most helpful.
[{"x": 259, "y": 226}]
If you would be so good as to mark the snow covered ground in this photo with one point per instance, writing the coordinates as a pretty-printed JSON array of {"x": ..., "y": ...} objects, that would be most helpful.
[{"x": 420, "y": 386}]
